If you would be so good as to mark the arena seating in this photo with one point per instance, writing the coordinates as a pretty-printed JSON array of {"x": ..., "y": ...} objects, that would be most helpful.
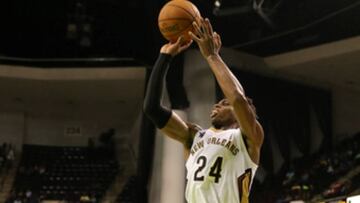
[
  {"x": 323, "y": 175},
  {"x": 65, "y": 173}
]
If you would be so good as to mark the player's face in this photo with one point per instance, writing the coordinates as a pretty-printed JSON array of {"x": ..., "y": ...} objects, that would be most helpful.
[{"x": 222, "y": 114}]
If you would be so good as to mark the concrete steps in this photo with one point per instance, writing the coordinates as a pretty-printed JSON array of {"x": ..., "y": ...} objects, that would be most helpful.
[
  {"x": 115, "y": 189},
  {"x": 127, "y": 164},
  {"x": 8, "y": 180}
]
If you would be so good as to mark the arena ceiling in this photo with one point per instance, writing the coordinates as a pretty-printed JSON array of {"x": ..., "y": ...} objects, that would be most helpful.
[{"x": 128, "y": 28}]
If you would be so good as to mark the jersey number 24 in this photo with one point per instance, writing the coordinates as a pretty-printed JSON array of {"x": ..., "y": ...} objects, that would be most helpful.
[{"x": 215, "y": 170}]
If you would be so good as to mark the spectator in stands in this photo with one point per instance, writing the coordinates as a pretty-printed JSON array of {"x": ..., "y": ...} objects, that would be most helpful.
[
  {"x": 304, "y": 177},
  {"x": 30, "y": 197},
  {"x": 42, "y": 170},
  {"x": 28, "y": 194},
  {"x": 107, "y": 139},
  {"x": 289, "y": 176}
]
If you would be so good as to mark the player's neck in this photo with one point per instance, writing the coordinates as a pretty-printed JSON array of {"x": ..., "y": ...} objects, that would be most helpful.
[
  {"x": 222, "y": 128},
  {"x": 212, "y": 128}
]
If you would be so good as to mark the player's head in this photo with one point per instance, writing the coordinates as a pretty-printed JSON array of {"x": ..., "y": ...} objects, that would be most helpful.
[{"x": 223, "y": 116}]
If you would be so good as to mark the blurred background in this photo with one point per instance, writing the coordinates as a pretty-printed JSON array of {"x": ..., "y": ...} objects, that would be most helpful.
[{"x": 72, "y": 80}]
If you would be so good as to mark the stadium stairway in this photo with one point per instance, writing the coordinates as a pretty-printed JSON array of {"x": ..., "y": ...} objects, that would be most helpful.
[
  {"x": 115, "y": 189},
  {"x": 9, "y": 179},
  {"x": 127, "y": 165}
]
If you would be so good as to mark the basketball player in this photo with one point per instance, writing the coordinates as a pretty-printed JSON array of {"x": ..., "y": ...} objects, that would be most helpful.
[{"x": 221, "y": 160}]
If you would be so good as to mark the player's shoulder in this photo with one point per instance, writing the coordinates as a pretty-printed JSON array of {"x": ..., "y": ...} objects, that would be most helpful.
[
  {"x": 236, "y": 131},
  {"x": 201, "y": 133},
  {"x": 194, "y": 129}
]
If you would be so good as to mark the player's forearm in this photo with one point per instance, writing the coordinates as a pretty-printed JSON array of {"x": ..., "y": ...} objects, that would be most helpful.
[
  {"x": 229, "y": 84},
  {"x": 152, "y": 102}
]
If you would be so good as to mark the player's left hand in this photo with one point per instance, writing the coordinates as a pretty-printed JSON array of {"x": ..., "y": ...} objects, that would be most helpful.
[
  {"x": 175, "y": 48},
  {"x": 208, "y": 41}
]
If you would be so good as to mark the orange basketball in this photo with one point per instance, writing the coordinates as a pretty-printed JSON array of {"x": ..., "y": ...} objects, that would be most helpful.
[{"x": 175, "y": 19}]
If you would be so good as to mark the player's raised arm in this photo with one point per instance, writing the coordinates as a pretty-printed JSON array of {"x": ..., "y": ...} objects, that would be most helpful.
[
  {"x": 166, "y": 120},
  {"x": 209, "y": 43}
]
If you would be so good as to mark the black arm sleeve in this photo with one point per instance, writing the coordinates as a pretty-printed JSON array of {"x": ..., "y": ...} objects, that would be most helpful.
[{"x": 153, "y": 109}]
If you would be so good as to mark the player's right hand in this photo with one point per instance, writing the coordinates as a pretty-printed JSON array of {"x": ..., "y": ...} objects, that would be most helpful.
[
  {"x": 175, "y": 48},
  {"x": 208, "y": 41}
]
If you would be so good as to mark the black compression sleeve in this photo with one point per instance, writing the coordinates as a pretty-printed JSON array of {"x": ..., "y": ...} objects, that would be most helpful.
[{"x": 152, "y": 103}]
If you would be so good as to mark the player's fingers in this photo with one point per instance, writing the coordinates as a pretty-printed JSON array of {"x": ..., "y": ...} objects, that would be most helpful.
[
  {"x": 217, "y": 38},
  {"x": 209, "y": 27},
  {"x": 197, "y": 29},
  {"x": 185, "y": 46},
  {"x": 189, "y": 43},
  {"x": 204, "y": 27},
  {"x": 179, "y": 40},
  {"x": 194, "y": 37}
]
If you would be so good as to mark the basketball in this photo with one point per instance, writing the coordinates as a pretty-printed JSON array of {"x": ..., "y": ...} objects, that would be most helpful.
[{"x": 176, "y": 18}]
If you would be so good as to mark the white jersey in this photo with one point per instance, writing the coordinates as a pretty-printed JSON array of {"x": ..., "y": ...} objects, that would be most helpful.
[{"x": 219, "y": 168}]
